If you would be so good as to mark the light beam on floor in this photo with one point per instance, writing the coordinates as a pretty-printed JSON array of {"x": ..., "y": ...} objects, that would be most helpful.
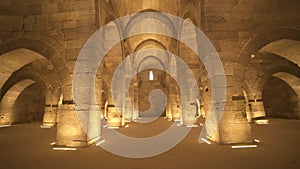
[
  {"x": 205, "y": 140},
  {"x": 64, "y": 149},
  {"x": 100, "y": 142},
  {"x": 244, "y": 146}
]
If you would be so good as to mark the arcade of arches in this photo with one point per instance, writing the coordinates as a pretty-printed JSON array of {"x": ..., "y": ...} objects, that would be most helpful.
[{"x": 257, "y": 41}]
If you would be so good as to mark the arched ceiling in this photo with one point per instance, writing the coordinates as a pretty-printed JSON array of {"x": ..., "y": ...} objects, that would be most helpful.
[
  {"x": 290, "y": 79},
  {"x": 11, "y": 96},
  {"x": 150, "y": 62},
  {"x": 287, "y": 48},
  {"x": 14, "y": 60}
]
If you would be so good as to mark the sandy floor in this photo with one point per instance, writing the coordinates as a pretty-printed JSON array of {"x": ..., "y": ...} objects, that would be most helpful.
[{"x": 28, "y": 146}]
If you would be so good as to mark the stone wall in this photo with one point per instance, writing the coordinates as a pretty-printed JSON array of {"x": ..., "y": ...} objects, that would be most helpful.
[{"x": 57, "y": 30}]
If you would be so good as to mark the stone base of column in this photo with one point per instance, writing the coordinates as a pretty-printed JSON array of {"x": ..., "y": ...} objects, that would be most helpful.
[
  {"x": 257, "y": 109},
  {"x": 230, "y": 133},
  {"x": 189, "y": 120},
  {"x": 114, "y": 118},
  {"x": 6, "y": 114},
  {"x": 297, "y": 112},
  {"x": 233, "y": 127},
  {"x": 49, "y": 119}
]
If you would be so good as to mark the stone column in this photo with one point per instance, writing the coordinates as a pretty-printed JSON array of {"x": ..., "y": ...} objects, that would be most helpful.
[
  {"x": 50, "y": 115},
  {"x": 69, "y": 130},
  {"x": 173, "y": 95},
  {"x": 169, "y": 100},
  {"x": 175, "y": 113},
  {"x": 187, "y": 108},
  {"x": 128, "y": 114},
  {"x": 234, "y": 127},
  {"x": 6, "y": 114},
  {"x": 94, "y": 124},
  {"x": 296, "y": 88},
  {"x": 106, "y": 109},
  {"x": 247, "y": 109},
  {"x": 135, "y": 99},
  {"x": 297, "y": 111},
  {"x": 51, "y": 109},
  {"x": 99, "y": 97},
  {"x": 257, "y": 106}
]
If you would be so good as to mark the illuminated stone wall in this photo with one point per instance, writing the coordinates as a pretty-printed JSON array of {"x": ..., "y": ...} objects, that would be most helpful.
[{"x": 55, "y": 30}]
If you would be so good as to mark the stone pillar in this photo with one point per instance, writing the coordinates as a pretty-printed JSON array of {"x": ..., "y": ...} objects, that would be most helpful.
[
  {"x": 188, "y": 111},
  {"x": 297, "y": 111},
  {"x": 188, "y": 104},
  {"x": 175, "y": 113},
  {"x": 257, "y": 106},
  {"x": 114, "y": 118},
  {"x": 198, "y": 107},
  {"x": 169, "y": 113},
  {"x": 169, "y": 98},
  {"x": 99, "y": 97},
  {"x": 202, "y": 110},
  {"x": 50, "y": 115},
  {"x": 51, "y": 109},
  {"x": 135, "y": 99},
  {"x": 127, "y": 114},
  {"x": 69, "y": 131},
  {"x": 234, "y": 127},
  {"x": 134, "y": 114},
  {"x": 6, "y": 114},
  {"x": 2, "y": 117},
  {"x": 106, "y": 109},
  {"x": 94, "y": 124},
  {"x": 247, "y": 109},
  {"x": 296, "y": 88},
  {"x": 257, "y": 109}
]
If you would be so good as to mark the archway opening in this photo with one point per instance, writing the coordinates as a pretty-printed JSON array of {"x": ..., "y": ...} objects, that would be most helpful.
[
  {"x": 29, "y": 83},
  {"x": 280, "y": 100},
  {"x": 30, "y": 105}
]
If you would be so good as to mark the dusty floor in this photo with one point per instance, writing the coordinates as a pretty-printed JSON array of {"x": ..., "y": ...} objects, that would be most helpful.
[{"x": 28, "y": 146}]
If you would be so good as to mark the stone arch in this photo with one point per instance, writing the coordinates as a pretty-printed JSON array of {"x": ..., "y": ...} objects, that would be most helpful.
[
  {"x": 153, "y": 60},
  {"x": 291, "y": 71},
  {"x": 103, "y": 82},
  {"x": 258, "y": 72},
  {"x": 28, "y": 72},
  {"x": 156, "y": 15},
  {"x": 200, "y": 73},
  {"x": 112, "y": 18},
  {"x": 288, "y": 98},
  {"x": 10, "y": 83},
  {"x": 164, "y": 60},
  {"x": 261, "y": 39},
  {"x": 135, "y": 24},
  {"x": 285, "y": 48},
  {"x": 189, "y": 17},
  {"x": 259, "y": 64},
  {"x": 45, "y": 48},
  {"x": 150, "y": 41},
  {"x": 12, "y": 94},
  {"x": 255, "y": 41},
  {"x": 52, "y": 89},
  {"x": 10, "y": 111}
]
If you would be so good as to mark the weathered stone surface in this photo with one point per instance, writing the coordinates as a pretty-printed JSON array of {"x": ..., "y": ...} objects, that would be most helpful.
[{"x": 56, "y": 31}]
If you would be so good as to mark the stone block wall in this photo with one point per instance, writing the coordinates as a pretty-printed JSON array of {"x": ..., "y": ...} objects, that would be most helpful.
[{"x": 57, "y": 29}]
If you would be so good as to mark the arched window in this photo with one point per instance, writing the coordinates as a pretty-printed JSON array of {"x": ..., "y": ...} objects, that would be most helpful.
[{"x": 151, "y": 76}]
